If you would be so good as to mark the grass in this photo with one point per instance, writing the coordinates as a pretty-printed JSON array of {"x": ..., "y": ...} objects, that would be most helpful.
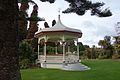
[{"x": 100, "y": 70}]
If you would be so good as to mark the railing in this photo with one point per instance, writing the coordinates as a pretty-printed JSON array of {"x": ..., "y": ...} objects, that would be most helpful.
[
  {"x": 51, "y": 59},
  {"x": 69, "y": 58}
]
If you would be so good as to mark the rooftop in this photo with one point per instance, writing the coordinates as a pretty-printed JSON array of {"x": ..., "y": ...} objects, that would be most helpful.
[{"x": 58, "y": 27}]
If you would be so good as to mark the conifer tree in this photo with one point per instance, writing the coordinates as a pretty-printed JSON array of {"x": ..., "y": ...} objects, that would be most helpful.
[
  {"x": 53, "y": 22},
  {"x": 33, "y": 27},
  {"x": 9, "y": 59},
  {"x": 46, "y": 25},
  {"x": 81, "y": 6},
  {"x": 23, "y": 16}
]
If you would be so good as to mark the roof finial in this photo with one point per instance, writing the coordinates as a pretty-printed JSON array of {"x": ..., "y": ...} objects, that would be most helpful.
[
  {"x": 59, "y": 9},
  {"x": 59, "y": 14}
]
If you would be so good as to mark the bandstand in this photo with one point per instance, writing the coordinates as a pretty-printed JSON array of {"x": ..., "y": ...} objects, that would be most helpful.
[{"x": 59, "y": 33}]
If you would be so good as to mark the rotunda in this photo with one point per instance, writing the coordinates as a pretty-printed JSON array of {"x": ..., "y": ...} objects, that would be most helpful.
[{"x": 60, "y": 33}]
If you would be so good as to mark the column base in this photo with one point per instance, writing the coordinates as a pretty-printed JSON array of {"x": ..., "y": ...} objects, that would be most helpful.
[{"x": 43, "y": 64}]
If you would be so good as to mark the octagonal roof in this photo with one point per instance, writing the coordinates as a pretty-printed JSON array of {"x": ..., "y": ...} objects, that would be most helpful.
[{"x": 59, "y": 27}]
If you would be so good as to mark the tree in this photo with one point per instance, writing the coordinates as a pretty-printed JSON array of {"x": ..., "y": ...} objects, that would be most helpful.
[
  {"x": 46, "y": 25},
  {"x": 117, "y": 28},
  {"x": 22, "y": 22},
  {"x": 117, "y": 44},
  {"x": 86, "y": 46},
  {"x": 33, "y": 27},
  {"x": 9, "y": 59},
  {"x": 117, "y": 39},
  {"x": 93, "y": 52},
  {"x": 51, "y": 1},
  {"x": 109, "y": 47},
  {"x": 81, "y": 6},
  {"x": 53, "y": 22},
  {"x": 9, "y": 66},
  {"x": 26, "y": 54},
  {"x": 24, "y": 18},
  {"x": 106, "y": 46},
  {"x": 81, "y": 48},
  {"x": 101, "y": 43}
]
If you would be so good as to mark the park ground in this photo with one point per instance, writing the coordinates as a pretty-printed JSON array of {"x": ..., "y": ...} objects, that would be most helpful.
[{"x": 106, "y": 69}]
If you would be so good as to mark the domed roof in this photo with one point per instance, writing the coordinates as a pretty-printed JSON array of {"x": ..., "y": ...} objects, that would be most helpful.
[{"x": 59, "y": 27}]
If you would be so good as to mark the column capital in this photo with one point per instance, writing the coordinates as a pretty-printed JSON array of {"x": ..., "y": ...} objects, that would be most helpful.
[
  {"x": 44, "y": 60},
  {"x": 63, "y": 61},
  {"x": 56, "y": 43},
  {"x": 63, "y": 42},
  {"x": 45, "y": 42},
  {"x": 38, "y": 44},
  {"x": 77, "y": 43}
]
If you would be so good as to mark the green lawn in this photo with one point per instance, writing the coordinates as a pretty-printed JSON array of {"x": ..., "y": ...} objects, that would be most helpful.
[{"x": 100, "y": 70}]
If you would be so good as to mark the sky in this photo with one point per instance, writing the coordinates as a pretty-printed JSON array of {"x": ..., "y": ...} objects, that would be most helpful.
[{"x": 92, "y": 27}]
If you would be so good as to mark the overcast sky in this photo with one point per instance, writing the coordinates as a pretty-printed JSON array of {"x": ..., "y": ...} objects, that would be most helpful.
[{"x": 93, "y": 27}]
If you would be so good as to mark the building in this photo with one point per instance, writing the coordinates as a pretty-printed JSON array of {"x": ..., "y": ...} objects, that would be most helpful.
[{"x": 64, "y": 35}]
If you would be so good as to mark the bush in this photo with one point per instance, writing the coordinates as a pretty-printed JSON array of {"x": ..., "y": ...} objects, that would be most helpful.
[
  {"x": 27, "y": 54},
  {"x": 102, "y": 57},
  {"x": 115, "y": 56},
  {"x": 24, "y": 63}
]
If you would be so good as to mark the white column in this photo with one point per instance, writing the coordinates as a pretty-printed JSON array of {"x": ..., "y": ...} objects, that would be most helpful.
[
  {"x": 68, "y": 48},
  {"x": 38, "y": 51},
  {"x": 77, "y": 49},
  {"x": 45, "y": 47},
  {"x": 45, "y": 51},
  {"x": 63, "y": 44},
  {"x": 63, "y": 51},
  {"x": 56, "y": 48}
]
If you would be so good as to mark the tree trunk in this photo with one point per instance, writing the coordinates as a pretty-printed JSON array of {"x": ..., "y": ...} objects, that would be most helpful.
[{"x": 9, "y": 59}]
